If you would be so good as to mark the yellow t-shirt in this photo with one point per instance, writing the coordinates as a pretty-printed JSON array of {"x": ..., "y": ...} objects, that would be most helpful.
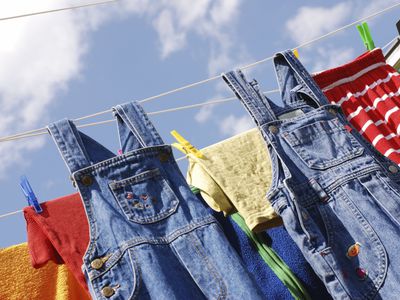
[
  {"x": 20, "y": 281},
  {"x": 235, "y": 175}
]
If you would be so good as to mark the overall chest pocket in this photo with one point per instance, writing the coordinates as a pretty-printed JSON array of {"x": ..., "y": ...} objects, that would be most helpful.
[
  {"x": 145, "y": 198},
  {"x": 323, "y": 144}
]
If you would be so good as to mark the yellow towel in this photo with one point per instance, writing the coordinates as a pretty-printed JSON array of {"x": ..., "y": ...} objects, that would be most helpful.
[
  {"x": 234, "y": 175},
  {"x": 20, "y": 281}
]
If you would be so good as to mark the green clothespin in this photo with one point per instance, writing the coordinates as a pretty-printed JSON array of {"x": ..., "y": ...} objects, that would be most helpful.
[{"x": 365, "y": 34}]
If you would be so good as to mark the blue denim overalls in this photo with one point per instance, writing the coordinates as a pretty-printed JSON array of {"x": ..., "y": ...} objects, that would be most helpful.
[
  {"x": 338, "y": 197},
  {"x": 150, "y": 238}
]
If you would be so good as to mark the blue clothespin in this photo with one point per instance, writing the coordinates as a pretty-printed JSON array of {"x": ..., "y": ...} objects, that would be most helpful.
[{"x": 29, "y": 194}]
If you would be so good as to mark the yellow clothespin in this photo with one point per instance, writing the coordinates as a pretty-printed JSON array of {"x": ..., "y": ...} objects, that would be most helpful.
[
  {"x": 184, "y": 146},
  {"x": 296, "y": 53}
]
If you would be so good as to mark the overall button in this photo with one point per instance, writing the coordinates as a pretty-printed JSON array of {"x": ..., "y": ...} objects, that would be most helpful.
[
  {"x": 273, "y": 129},
  {"x": 97, "y": 263},
  {"x": 353, "y": 250},
  {"x": 107, "y": 291},
  {"x": 164, "y": 157},
  {"x": 393, "y": 169},
  {"x": 129, "y": 195},
  {"x": 332, "y": 111},
  {"x": 87, "y": 180},
  {"x": 361, "y": 273},
  {"x": 304, "y": 215}
]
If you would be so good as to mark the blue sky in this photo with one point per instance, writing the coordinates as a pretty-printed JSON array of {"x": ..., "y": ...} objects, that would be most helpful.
[{"x": 71, "y": 64}]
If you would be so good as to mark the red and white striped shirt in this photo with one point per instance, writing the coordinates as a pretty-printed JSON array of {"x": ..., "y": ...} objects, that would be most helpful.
[{"x": 368, "y": 91}]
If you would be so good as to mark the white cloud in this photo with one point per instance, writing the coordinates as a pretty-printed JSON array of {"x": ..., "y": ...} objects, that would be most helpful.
[
  {"x": 40, "y": 55},
  {"x": 170, "y": 39},
  {"x": 330, "y": 57},
  {"x": 375, "y": 6},
  {"x": 311, "y": 22},
  {"x": 204, "y": 113},
  {"x": 211, "y": 20},
  {"x": 232, "y": 125}
]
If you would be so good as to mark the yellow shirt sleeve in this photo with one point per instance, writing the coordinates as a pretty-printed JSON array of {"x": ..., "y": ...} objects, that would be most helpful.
[{"x": 235, "y": 175}]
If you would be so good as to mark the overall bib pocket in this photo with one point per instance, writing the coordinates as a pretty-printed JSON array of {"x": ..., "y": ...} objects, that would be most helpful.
[
  {"x": 145, "y": 198},
  {"x": 323, "y": 144}
]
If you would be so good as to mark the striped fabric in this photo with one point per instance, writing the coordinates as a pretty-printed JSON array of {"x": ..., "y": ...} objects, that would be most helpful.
[{"x": 368, "y": 91}]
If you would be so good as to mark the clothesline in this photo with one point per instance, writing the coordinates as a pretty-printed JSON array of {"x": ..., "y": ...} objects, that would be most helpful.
[
  {"x": 205, "y": 103},
  {"x": 36, "y": 132},
  {"x": 56, "y": 10}
]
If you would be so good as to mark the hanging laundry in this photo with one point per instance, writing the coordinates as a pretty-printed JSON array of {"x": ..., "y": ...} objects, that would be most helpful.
[
  {"x": 282, "y": 283},
  {"x": 331, "y": 188},
  {"x": 392, "y": 56},
  {"x": 20, "y": 281},
  {"x": 150, "y": 237},
  {"x": 368, "y": 91},
  {"x": 233, "y": 176},
  {"x": 60, "y": 234}
]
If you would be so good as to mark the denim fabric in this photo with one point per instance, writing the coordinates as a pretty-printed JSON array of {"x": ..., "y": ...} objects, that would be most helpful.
[
  {"x": 338, "y": 197},
  {"x": 150, "y": 238}
]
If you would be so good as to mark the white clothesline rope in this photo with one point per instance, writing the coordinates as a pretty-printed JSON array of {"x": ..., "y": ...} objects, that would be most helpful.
[
  {"x": 390, "y": 43},
  {"x": 208, "y": 102},
  {"x": 36, "y": 132},
  {"x": 56, "y": 10}
]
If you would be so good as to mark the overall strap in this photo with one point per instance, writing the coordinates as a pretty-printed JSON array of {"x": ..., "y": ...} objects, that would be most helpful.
[
  {"x": 293, "y": 77},
  {"x": 135, "y": 129},
  {"x": 259, "y": 106},
  {"x": 77, "y": 149}
]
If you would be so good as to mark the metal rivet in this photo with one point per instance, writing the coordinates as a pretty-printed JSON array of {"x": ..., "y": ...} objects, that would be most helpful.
[
  {"x": 361, "y": 273},
  {"x": 332, "y": 111},
  {"x": 353, "y": 250},
  {"x": 273, "y": 129},
  {"x": 305, "y": 215},
  {"x": 144, "y": 196},
  {"x": 129, "y": 195},
  {"x": 393, "y": 169},
  {"x": 87, "y": 180},
  {"x": 163, "y": 157},
  {"x": 107, "y": 291},
  {"x": 97, "y": 263}
]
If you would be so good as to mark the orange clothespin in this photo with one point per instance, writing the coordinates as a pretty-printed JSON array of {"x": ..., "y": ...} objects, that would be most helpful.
[{"x": 184, "y": 146}]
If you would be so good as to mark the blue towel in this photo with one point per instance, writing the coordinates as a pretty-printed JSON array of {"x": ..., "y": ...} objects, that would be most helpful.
[{"x": 281, "y": 242}]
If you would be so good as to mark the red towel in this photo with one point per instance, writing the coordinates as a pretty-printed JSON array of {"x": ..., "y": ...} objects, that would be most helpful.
[
  {"x": 60, "y": 233},
  {"x": 367, "y": 89}
]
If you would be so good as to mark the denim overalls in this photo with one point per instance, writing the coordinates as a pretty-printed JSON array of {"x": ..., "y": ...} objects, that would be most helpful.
[
  {"x": 150, "y": 237},
  {"x": 338, "y": 197}
]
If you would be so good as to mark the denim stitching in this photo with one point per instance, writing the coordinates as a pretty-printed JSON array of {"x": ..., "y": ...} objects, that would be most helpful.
[
  {"x": 135, "y": 179},
  {"x": 138, "y": 241},
  {"x": 168, "y": 211},
  {"x": 210, "y": 266},
  {"x": 129, "y": 157},
  {"x": 379, "y": 248},
  {"x": 137, "y": 273},
  {"x": 131, "y": 126}
]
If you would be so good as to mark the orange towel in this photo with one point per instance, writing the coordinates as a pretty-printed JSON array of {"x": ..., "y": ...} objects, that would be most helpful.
[{"x": 20, "y": 281}]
